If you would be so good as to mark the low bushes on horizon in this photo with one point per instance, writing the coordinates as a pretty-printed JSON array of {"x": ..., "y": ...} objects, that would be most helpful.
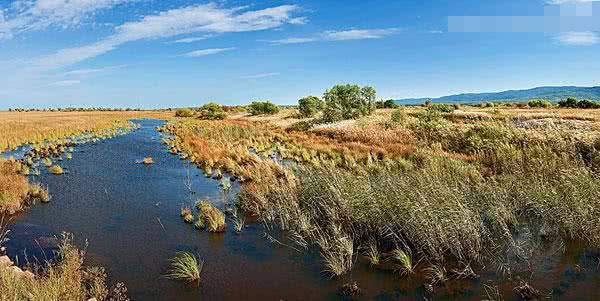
[
  {"x": 211, "y": 111},
  {"x": 539, "y": 103}
]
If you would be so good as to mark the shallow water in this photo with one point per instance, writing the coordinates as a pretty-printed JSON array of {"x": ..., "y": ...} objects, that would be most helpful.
[{"x": 129, "y": 214}]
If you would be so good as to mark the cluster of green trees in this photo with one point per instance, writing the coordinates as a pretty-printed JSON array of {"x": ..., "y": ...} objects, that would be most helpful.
[
  {"x": 211, "y": 111},
  {"x": 340, "y": 102},
  {"x": 572, "y": 102}
]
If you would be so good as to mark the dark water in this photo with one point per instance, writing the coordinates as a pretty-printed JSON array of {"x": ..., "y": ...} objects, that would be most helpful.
[{"x": 118, "y": 207}]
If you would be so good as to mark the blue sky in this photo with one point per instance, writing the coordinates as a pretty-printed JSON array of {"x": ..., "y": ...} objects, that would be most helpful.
[{"x": 153, "y": 54}]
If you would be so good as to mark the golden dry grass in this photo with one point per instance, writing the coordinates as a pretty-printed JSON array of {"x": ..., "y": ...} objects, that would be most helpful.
[
  {"x": 14, "y": 187},
  {"x": 19, "y": 128}
]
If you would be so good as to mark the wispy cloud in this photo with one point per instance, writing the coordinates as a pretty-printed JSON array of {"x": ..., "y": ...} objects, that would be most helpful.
[
  {"x": 91, "y": 70},
  {"x": 358, "y": 34},
  {"x": 435, "y": 31},
  {"x": 207, "y": 18},
  {"x": 578, "y": 38},
  {"x": 261, "y": 75},
  {"x": 293, "y": 40},
  {"x": 203, "y": 52},
  {"x": 193, "y": 39},
  {"x": 342, "y": 35},
  {"x": 28, "y": 15},
  {"x": 66, "y": 83}
]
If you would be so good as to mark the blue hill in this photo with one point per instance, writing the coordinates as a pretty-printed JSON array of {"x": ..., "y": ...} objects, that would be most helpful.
[{"x": 549, "y": 93}]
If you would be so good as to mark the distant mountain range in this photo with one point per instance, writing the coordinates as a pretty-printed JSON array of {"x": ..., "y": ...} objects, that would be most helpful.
[{"x": 549, "y": 93}]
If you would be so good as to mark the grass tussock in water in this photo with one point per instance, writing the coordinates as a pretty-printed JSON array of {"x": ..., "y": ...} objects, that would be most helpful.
[
  {"x": 185, "y": 266},
  {"x": 67, "y": 279},
  {"x": 56, "y": 170}
]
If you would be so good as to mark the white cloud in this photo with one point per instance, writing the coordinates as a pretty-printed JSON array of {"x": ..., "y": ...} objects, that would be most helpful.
[
  {"x": 578, "y": 38},
  {"x": 262, "y": 75},
  {"x": 193, "y": 39},
  {"x": 203, "y": 52},
  {"x": 293, "y": 40},
  {"x": 435, "y": 31},
  {"x": 344, "y": 35},
  {"x": 66, "y": 83},
  {"x": 358, "y": 34},
  {"x": 30, "y": 15},
  {"x": 91, "y": 70},
  {"x": 207, "y": 18}
]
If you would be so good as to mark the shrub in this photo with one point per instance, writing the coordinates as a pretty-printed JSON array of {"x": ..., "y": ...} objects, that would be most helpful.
[
  {"x": 262, "y": 108},
  {"x": 587, "y": 104},
  {"x": 539, "y": 103},
  {"x": 309, "y": 106},
  {"x": 570, "y": 102},
  {"x": 211, "y": 111},
  {"x": 399, "y": 116},
  {"x": 390, "y": 104},
  {"x": 440, "y": 107},
  {"x": 348, "y": 102},
  {"x": 185, "y": 112}
]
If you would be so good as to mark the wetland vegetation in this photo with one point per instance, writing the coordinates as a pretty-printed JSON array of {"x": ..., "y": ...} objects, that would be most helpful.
[{"x": 441, "y": 195}]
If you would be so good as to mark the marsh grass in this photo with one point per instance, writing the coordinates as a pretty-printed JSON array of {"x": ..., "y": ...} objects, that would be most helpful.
[
  {"x": 215, "y": 220},
  {"x": 65, "y": 279},
  {"x": 404, "y": 261},
  {"x": 56, "y": 170},
  {"x": 239, "y": 223},
  {"x": 185, "y": 266}
]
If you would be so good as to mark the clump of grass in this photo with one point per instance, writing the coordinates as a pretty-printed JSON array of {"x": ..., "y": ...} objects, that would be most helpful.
[
  {"x": 148, "y": 161},
  {"x": 14, "y": 188},
  {"x": 47, "y": 162},
  {"x": 215, "y": 220},
  {"x": 38, "y": 192},
  {"x": 56, "y": 170},
  {"x": 238, "y": 224},
  {"x": 66, "y": 279},
  {"x": 68, "y": 156},
  {"x": 203, "y": 205},
  {"x": 200, "y": 224},
  {"x": 372, "y": 253},
  {"x": 436, "y": 274},
  {"x": 189, "y": 218},
  {"x": 405, "y": 262},
  {"x": 185, "y": 211},
  {"x": 185, "y": 266}
]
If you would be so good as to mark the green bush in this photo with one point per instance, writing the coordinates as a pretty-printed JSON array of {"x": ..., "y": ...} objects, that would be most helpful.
[
  {"x": 570, "y": 102},
  {"x": 309, "y": 106},
  {"x": 185, "y": 112},
  {"x": 262, "y": 108},
  {"x": 440, "y": 107},
  {"x": 539, "y": 103},
  {"x": 390, "y": 104},
  {"x": 399, "y": 116},
  {"x": 211, "y": 111},
  {"x": 348, "y": 102},
  {"x": 587, "y": 104}
]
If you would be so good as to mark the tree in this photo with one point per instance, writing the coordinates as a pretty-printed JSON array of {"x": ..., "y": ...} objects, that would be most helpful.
[
  {"x": 570, "y": 102},
  {"x": 309, "y": 106},
  {"x": 348, "y": 101},
  {"x": 211, "y": 111}
]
